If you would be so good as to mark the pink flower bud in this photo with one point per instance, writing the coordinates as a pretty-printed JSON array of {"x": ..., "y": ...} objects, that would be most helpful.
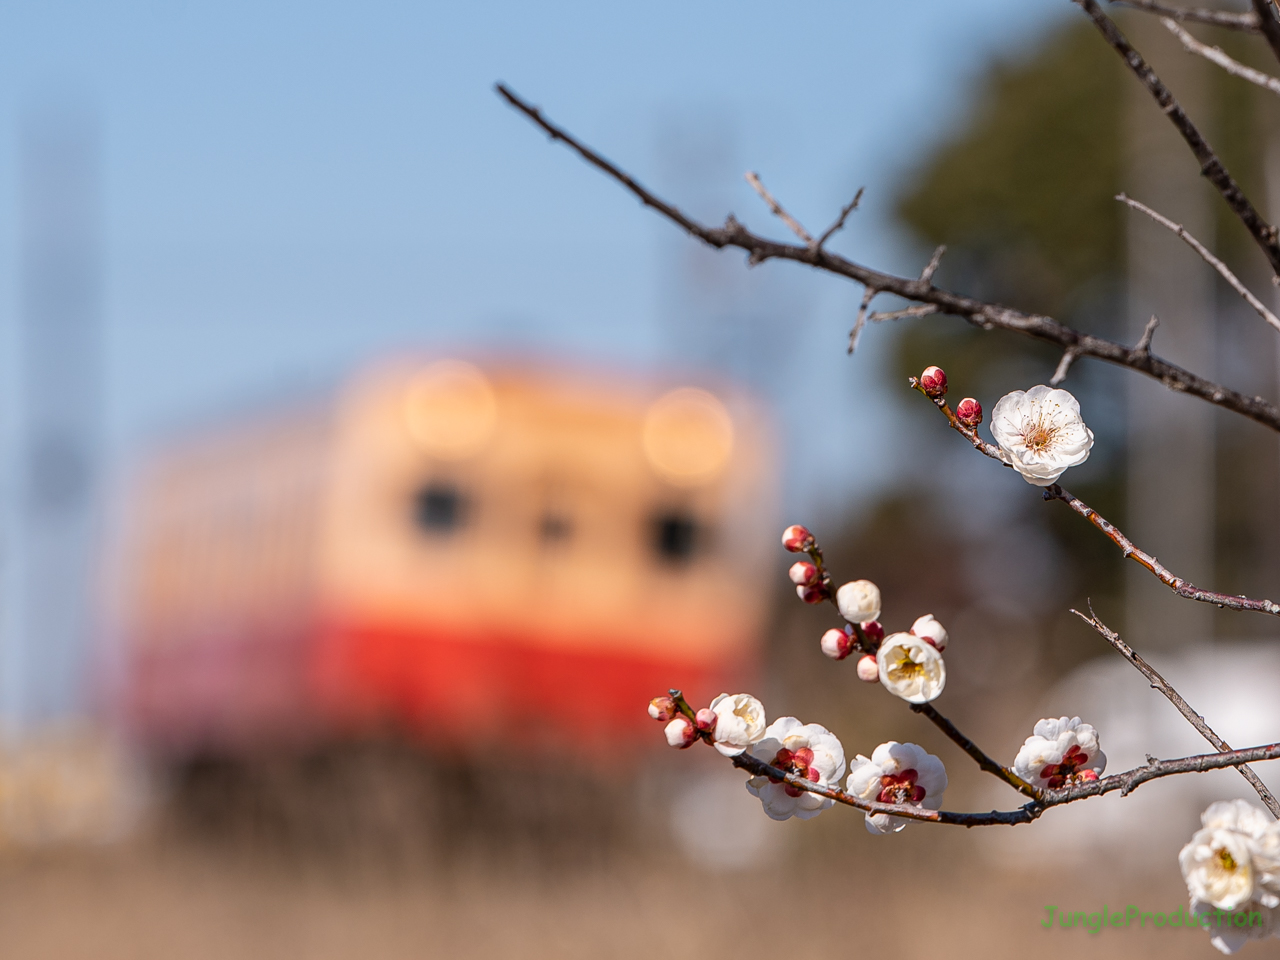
[
  {"x": 680, "y": 733},
  {"x": 837, "y": 644},
  {"x": 706, "y": 720},
  {"x": 803, "y": 573},
  {"x": 969, "y": 412},
  {"x": 662, "y": 708},
  {"x": 797, "y": 539},
  {"x": 867, "y": 669},
  {"x": 812, "y": 592},
  {"x": 933, "y": 381},
  {"x": 872, "y": 630}
]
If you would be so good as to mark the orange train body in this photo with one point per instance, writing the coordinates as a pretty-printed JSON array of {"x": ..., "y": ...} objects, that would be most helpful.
[{"x": 510, "y": 555}]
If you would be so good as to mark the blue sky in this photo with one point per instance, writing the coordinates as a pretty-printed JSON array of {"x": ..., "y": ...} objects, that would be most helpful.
[{"x": 289, "y": 187}]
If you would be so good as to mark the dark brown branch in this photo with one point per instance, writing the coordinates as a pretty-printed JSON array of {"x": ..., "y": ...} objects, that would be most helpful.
[
  {"x": 1246, "y": 22},
  {"x": 986, "y": 315},
  {"x": 1268, "y": 24},
  {"x": 836, "y": 227},
  {"x": 1263, "y": 233},
  {"x": 1182, "y": 588},
  {"x": 1160, "y": 684},
  {"x": 1130, "y": 780},
  {"x": 975, "y": 752}
]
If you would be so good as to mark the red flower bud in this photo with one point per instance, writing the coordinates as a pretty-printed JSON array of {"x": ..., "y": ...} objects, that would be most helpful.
[
  {"x": 681, "y": 733},
  {"x": 969, "y": 412},
  {"x": 662, "y": 708},
  {"x": 812, "y": 592},
  {"x": 706, "y": 720},
  {"x": 803, "y": 573},
  {"x": 796, "y": 538},
  {"x": 933, "y": 381},
  {"x": 837, "y": 644},
  {"x": 872, "y": 630}
]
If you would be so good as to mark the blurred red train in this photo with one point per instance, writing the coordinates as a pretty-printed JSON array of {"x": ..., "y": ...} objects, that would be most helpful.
[{"x": 508, "y": 554}]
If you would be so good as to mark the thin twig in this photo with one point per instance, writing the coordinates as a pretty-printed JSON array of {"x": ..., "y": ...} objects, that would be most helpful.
[
  {"x": 848, "y": 208},
  {"x": 856, "y": 333},
  {"x": 1223, "y": 270},
  {"x": 1143, "y": 346},
  {"x": 1263, "y": 233},
  {"x": 1060, "y": 374},
  {"x": 777, "y": 209},
  {"x": 986, "y": 315},
  {"x": 1215, "y": 55},
  {"x": 1182, "y": 588},
  {"x": 1268, "y": 15},
  {"x": 923, "y": 310},
  {"x": 926, "y": 275},
  {"x": 1163, "y": 686},
  {"x": 975, "y": 752},
  {"x": 1130, "y": 780},
  {"x": 1246, "y": 22}
]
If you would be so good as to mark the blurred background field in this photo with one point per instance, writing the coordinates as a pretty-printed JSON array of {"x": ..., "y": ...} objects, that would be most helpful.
[{"x": 362, "y": 451}]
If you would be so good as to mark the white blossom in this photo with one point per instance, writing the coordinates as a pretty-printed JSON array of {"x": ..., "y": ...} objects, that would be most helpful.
[
  {"x": 1040, "y": 432},
  {"x": 897, "y": 773},
  {"x": 859, "y": 601},
  {"x": 1260, "y": 922},
  {"x": 680, "y": 732},
  {"x": 1234, "y": 858},
  {"x": 739, "y": 722},
  {"x": 911, "y": 668},
  {"x": 1060, "y": 752},
  {"x": 928, "y": 628},
  {"x": 807, "y": 750}
]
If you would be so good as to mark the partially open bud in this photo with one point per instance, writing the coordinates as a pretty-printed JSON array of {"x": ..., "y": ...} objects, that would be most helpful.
[
  {"x": 931, "y": 631},
  {"x": 680, "y": 733},
  {"x": 837, "y": 644},
  {"x": 803, "y": 573},
  {"x": 969, "y": 412},
  {"x": 797, "y": 539},
  {"x": 813, "y": 592},
  {"x": 705, "y": 719},
  {"x": 933, "y": 381},
  {"x": 662, "y": 708},
  {"x": 859, "y": 601},
  {"x": 868, "y": 670},
  {"x": 873, "y": 631}
]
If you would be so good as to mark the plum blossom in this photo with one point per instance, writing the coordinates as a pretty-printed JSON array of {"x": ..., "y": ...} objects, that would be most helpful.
[
  {"x": 739, "y": 722},
  {"x": 837, "y": 643},
  {"x": 897, "y": 773},
  {"x": 1233, "y": 863},
  {"x": 807, "y": 750},
  {"x": 1040, "y": 432},
  {"x": 911, "y": 668},
  {"x": 681, "y": 733},
  {"x": 1059, "y": 753},
  {"x": 859, "y": 601},
  {"x": 928, "y": 628}
]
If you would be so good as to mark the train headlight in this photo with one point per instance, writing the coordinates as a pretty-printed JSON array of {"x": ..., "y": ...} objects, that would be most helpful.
[
  {"x": 450, "y": 410},
  {"x": 688, "y": 437}
]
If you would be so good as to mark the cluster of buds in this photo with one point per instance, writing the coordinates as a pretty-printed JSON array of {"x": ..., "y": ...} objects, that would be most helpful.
[
  {"x": 811, "y": 582},
  {"x": 730, "y": 724}
]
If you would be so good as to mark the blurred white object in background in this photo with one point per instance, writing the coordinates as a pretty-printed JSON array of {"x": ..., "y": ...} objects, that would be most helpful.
[
  {"x": 718, "y": 824},
  {"x": 1234, "y": 686}
]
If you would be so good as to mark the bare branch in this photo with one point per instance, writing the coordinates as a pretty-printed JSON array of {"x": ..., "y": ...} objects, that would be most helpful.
[
  {"x": 975, "y": 752},
  {"x": 921, "y": 311},
  {"x": 867, "y": 296},
  {"x": 926, "y": 275},
  {"x": 1264, "y": 234},
  {"x": 986, "y": 315},
  {"x": 1215, "y": 55},
  {"x": 1246, "y": 22},
  {"x": 1223, "y": 270},
  {"x": 1182, "y": 588},
  {"x": 1130, "y": 780},
  {"x": 1143, "y": 347},
  {"x": 777, "y": 209},
  {"x": 1268, "y": 15},
  {"x": 848, "y": 208},
  {"x": 1060, "y": 374},
  {"x": 1163, "y": 686}
]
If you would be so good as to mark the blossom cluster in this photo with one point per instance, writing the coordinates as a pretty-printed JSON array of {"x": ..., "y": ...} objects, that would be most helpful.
[{"x": 1233, "y": 863}]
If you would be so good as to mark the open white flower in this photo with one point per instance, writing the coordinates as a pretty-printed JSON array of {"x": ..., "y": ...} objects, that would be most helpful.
[
  {"x": 1040, "y": 433},
  {"x": 739, "y": 722},
  {"x": 808, "y": 750},
  {"x": 859, "y": 601},
  {"x": 911, "y": 668},
  {"x": 1060, "y": 752},
  {"x": 897, "y": 773},
  {"x": 1234, "y": 858},
  {"x": 1259, "y": 923}
]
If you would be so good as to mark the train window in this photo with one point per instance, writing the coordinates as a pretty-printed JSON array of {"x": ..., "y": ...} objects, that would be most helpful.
[
  {"x": 676, "y": 537},
  {"x": 439, "y": 508}
]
